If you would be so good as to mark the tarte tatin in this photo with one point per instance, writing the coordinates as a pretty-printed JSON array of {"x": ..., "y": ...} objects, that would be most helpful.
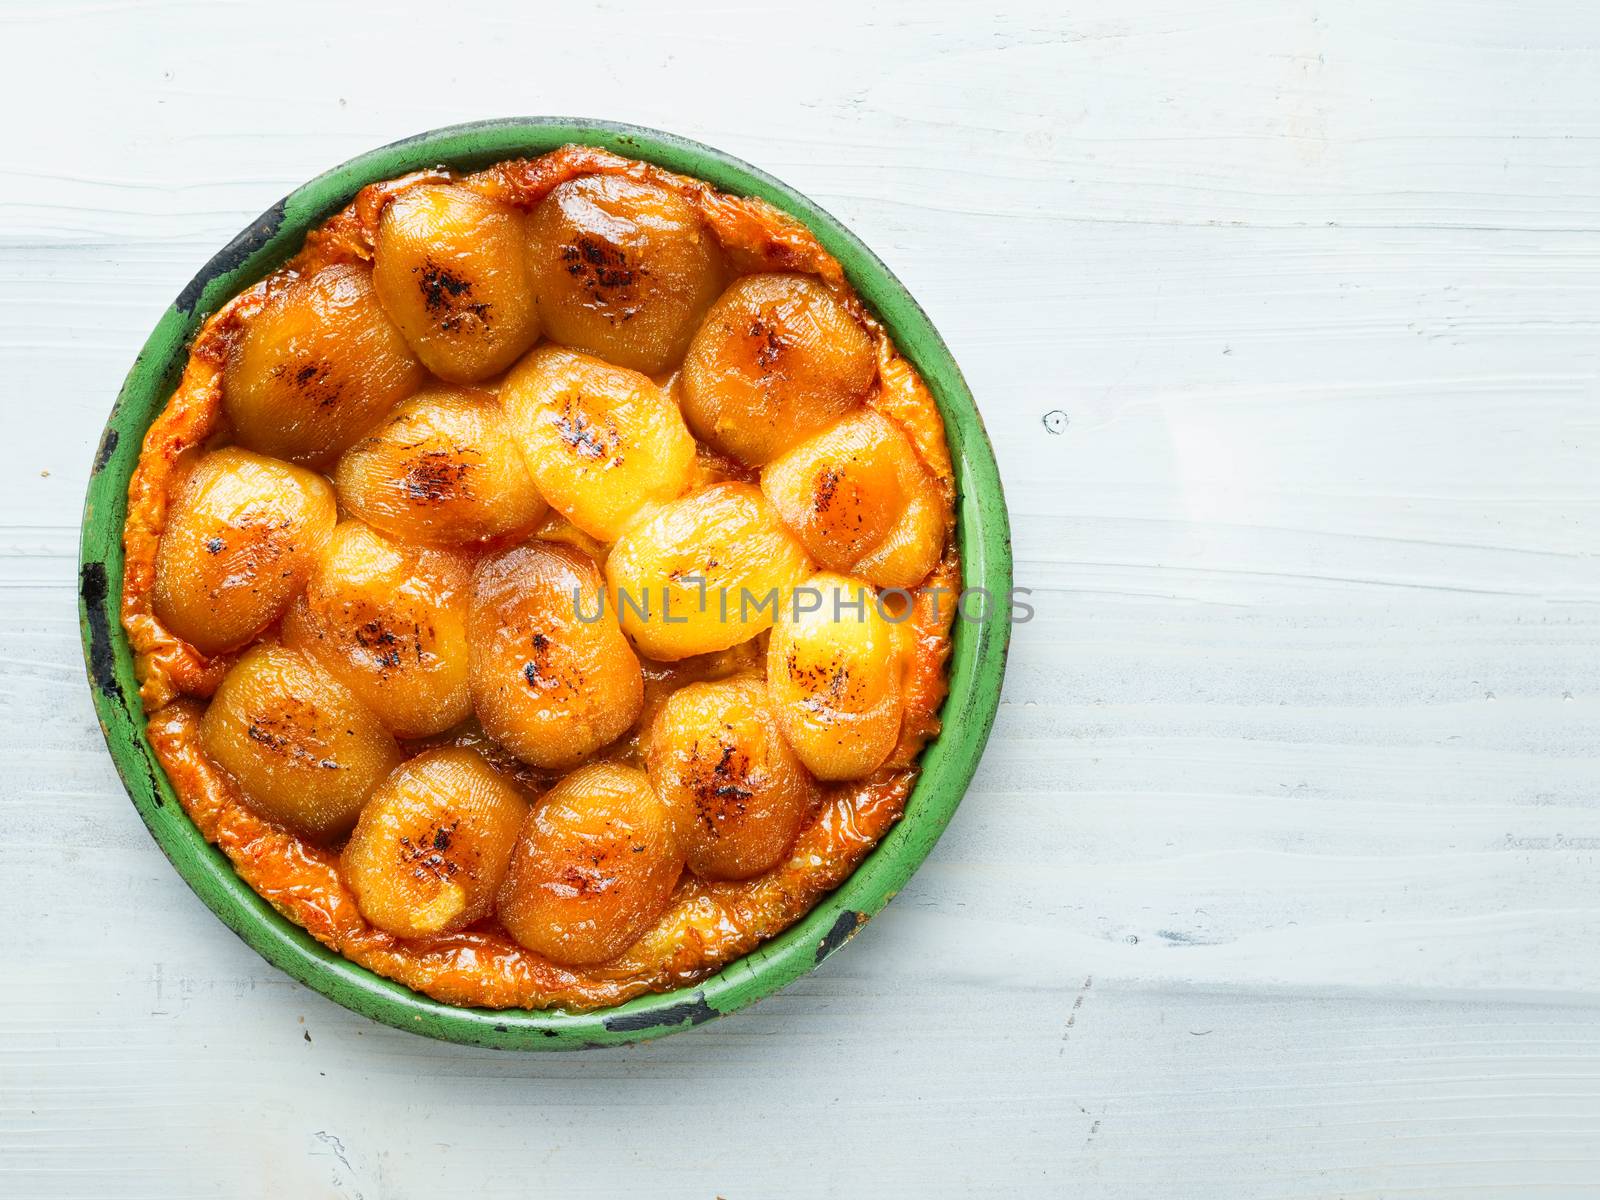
[{"x": 541, "y": 586}]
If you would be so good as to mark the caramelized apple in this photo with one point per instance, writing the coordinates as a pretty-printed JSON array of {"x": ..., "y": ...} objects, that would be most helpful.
[
  {"x": 432, "y": 845},
  {"x": 448, "y": 265},
  {"x": 833, "y": 672},
  {"x": 391, "y": 622},
  {"x": 601, "y": 441},
  {"x": 860, "y": 501},
  {"x": 241, "y": 536},
  {"x": 305, "y": 751},
  {"x": 733, "y": 789},
  {"x": 704, "y": 572},
  {"x": 777, "y": 359},
  {"x": 552, "y": 678},
  {"x": 316, "y": 367},
  {"x": 622, "y": 269},
  {"x": 593, "y": 867},
  {"x": 443, "y": 470}
]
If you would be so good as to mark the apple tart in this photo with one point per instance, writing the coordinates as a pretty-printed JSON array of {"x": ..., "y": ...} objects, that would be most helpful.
[{"x": 541, "y": 585}]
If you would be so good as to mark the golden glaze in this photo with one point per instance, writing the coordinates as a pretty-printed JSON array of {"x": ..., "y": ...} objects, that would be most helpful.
[{"x": 705, "y": 924}]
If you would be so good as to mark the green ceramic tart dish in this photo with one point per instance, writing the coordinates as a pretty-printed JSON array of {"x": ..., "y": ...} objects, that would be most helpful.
[{"x": 978, "y": 638}]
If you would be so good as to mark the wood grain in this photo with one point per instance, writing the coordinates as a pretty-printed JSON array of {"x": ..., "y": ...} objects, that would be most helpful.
[{"x": 1279, "y": 878}]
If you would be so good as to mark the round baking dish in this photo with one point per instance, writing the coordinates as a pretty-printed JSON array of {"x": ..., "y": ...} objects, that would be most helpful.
[{"x": 977, "y": 660}]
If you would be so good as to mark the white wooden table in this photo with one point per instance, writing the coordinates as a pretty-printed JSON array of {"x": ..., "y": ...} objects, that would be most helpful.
[{"x": 1279, "y": 877}]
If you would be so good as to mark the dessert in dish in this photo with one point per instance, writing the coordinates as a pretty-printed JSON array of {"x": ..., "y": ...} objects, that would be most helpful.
[{"x": 541, "y": 585}]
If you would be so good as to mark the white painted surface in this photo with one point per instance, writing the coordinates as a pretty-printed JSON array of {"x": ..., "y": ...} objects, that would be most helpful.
[{"x": 1299, "y": 764}]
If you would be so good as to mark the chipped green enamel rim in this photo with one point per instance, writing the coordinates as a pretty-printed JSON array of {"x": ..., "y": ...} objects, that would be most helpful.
[{"x": 977, "y": 659}]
